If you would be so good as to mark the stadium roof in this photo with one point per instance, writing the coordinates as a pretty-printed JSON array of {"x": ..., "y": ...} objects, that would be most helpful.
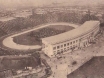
[{"x": 88, "y": 25}]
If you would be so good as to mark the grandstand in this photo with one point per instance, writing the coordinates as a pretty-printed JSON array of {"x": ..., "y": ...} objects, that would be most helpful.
[
  {"x": 19, "y": 24},
  {"x": 71, "y": 40},
  {"x": 12, "y": 26}
]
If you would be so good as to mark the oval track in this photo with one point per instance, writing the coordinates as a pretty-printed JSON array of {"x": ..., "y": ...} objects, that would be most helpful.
[{"x": 8, "y": 42}]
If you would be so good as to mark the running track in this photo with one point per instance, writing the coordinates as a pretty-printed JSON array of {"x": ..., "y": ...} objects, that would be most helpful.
[{"x": 8, "y": 42}]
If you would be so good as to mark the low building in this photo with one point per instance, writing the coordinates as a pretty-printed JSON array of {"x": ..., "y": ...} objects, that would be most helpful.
[{"x": 71, "y": 40}]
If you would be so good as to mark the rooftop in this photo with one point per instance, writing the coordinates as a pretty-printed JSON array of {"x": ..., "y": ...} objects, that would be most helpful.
[{"x": 88, "y": 25}]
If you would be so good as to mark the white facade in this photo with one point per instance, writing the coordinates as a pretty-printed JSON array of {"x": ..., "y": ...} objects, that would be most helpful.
[{"x": 71, "y": 40}]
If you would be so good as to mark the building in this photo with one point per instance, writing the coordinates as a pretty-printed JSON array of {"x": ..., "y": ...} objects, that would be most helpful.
[{"x": 71, "y": 40}]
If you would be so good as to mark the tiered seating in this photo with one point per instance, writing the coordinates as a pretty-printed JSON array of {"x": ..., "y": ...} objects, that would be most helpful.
[{"x": 19, "y": 24}]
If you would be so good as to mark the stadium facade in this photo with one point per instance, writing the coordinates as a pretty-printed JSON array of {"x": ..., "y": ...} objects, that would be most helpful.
[{"x": 75, "y": 39}]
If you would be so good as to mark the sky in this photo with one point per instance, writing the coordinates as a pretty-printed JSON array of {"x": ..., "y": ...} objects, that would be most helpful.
[{"x": 13, "y": 3}]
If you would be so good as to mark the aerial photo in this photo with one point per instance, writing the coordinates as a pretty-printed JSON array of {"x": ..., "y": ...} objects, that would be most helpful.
[{"x": 51, "y": 38}]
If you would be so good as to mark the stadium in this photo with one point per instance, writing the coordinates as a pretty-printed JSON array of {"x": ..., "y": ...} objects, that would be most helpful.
[
  {"x": 53, "y": 38},
  {"x": 77, "y": 38},
  {"x": 31, "y": 39}
]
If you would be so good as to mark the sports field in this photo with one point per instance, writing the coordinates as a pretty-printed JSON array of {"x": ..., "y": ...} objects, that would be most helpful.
[{"x": 34, "y": 37}]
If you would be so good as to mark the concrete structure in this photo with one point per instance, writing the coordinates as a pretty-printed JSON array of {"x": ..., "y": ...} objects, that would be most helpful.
[{"x": 71, "y": 40}]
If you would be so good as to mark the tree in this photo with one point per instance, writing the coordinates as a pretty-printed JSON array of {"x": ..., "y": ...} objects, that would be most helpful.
[{"x": 88, "y": 17}]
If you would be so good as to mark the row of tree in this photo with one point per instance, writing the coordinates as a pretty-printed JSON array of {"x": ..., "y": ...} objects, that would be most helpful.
[{"x": 65, "y": 17}]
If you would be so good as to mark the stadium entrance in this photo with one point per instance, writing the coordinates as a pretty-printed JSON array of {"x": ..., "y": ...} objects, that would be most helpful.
[{"x": 83, "y": 43}]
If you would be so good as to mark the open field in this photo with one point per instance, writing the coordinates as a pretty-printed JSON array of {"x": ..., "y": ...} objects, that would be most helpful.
[{"x": 34, "y": 37}]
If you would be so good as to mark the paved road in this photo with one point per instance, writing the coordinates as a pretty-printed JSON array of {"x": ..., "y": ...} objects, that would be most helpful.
[{"x": 8, "y": 42}]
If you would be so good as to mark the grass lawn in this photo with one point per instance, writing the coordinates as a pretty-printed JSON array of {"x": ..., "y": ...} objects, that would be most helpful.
[{"x": 33, "y": 38}]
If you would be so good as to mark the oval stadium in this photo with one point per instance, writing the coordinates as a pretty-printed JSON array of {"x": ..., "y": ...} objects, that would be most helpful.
[
  {"x": 31, "y": 39},
  {"x": 54, "y": 38},
  {"x": 77, "y": 38}
]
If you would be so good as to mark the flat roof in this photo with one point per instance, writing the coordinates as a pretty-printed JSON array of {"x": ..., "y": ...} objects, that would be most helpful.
[{"x": 84, "y": 28}]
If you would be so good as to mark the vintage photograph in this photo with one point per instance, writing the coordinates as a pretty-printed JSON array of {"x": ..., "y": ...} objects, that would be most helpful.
[{"x": 51, "y": 39}]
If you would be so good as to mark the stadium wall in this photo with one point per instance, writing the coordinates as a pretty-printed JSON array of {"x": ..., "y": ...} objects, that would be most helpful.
[{"x": 54, "y": 46}]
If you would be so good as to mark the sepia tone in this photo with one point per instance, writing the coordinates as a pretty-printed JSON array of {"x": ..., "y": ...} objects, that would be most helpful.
[{"x": 51, "y": 39}]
